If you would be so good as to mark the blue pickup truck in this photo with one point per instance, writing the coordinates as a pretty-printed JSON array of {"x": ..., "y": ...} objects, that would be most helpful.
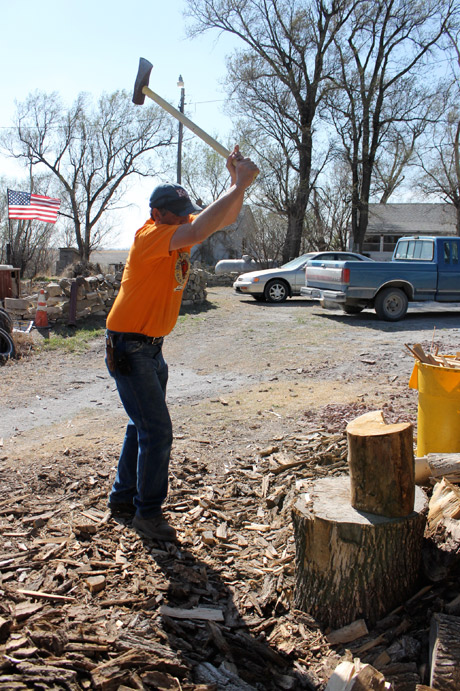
[{"x": 422, "y": 268}]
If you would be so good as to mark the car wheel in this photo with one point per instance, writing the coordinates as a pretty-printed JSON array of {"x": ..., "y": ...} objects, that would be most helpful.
[
  {"x": 352, "y": 309},
  {"x": 391, "y": 304},
  {"x": 276, "y": 291}
]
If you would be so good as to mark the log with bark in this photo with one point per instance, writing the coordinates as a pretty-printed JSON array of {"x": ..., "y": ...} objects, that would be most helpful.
[
  {"x": 445, "y": 652},
  {"x": 437, "y": 465},
  {"x": 359, "y": 542},
  {"x": 381, "y": 461},
  {"x": 351, "y": 564}
]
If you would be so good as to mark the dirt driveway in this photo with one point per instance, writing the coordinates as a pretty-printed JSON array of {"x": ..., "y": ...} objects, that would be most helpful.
[
  {"x": 254, "y": 390},
  {"x": 276, "y": 366}
]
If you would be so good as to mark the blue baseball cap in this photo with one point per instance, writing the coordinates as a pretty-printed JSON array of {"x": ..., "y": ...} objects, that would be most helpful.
[{"x": 174, "y": 198}]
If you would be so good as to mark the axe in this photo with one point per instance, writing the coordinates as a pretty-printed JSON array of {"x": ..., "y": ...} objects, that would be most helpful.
[{"x": 141, "y": 90}]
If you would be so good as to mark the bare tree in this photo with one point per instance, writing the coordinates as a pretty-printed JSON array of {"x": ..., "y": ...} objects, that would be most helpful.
[
  {"x": 90, "y": 151},
  {"x": 265, "y": 243},
  {"x": 440, "y": 163},
  {"x": 329, "y": 218},
  {"x": 204, "y": 174},
  {"x": 277, "y": 84},
  {"x": 380, "y": 90}
]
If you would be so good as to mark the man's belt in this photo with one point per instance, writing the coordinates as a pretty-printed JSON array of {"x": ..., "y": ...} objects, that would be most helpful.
[{"x": 142, "y": 338}]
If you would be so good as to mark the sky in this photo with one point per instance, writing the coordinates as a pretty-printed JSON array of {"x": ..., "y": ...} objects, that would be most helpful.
[{"x": 94, "y": 46}]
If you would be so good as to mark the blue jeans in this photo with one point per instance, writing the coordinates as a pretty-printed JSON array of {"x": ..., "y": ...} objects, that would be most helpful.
[{"x": 142, "y": 474}]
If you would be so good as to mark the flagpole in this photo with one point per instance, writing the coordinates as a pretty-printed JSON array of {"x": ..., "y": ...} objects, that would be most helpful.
[{"x": 10, "y": 234}]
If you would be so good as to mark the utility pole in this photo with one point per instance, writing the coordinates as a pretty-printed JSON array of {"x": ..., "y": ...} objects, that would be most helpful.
[{"x": 180, "y": 83}]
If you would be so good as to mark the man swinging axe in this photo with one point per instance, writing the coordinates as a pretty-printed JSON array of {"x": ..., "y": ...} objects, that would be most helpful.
[{"x": 144, "y": 312}]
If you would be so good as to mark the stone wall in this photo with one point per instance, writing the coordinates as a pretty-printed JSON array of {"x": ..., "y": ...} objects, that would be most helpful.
[{"x": 95, "y": 296}]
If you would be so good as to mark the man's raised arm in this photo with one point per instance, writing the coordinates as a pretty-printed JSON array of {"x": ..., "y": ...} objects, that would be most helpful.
[{"x": 224, "y": 211}]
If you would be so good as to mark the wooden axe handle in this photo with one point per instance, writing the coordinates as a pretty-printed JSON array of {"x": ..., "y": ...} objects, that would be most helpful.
[{"x": 185, "y": 121}]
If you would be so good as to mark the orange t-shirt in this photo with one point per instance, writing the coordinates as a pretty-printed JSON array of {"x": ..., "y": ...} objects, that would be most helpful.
[{"x": 154, "y": 279}]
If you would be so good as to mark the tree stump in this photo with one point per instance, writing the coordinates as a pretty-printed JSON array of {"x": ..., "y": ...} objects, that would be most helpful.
[
  {"x": 381, "y": 462},
  {"x": 445, "y": 652},
  {"x": 351, "y": 564}
]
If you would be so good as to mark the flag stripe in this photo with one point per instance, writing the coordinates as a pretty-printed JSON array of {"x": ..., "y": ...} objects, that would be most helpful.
[{"x": 23, "y": 205}]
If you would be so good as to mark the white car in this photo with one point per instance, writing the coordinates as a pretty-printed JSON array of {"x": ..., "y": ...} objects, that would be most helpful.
[{"x": 276, "y": 285}]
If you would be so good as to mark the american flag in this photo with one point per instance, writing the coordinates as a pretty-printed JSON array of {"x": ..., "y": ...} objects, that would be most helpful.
[{"x": 26, "y": 205}]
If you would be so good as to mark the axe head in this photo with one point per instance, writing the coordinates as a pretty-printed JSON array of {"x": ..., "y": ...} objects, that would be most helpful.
[{"x": 142, "y": 79}]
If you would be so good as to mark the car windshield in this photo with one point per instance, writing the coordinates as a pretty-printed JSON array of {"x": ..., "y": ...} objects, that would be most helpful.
[{"x": 299, "y": 261}]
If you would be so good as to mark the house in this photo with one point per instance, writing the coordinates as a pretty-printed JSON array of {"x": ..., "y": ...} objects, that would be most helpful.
[
  {"x": 389, "y": 222},
  {"x": 228, "y": 243}
]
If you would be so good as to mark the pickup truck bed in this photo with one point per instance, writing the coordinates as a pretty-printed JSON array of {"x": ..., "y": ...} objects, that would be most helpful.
[{"x": 388, "y": 287}]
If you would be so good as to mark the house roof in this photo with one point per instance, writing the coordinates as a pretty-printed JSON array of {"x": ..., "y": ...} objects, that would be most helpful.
[{"x": 410, "y": 219}]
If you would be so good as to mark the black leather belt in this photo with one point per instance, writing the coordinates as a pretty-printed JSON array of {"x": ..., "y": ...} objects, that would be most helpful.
[{"x": 142, "y": 338}]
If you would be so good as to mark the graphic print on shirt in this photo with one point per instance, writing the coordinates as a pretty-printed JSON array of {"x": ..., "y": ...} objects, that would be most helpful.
[{"x": 182, "y": 269}]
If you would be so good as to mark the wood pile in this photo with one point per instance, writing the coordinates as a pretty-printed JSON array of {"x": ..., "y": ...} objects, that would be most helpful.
[
  {"x": 87, "y": 604},
  {"x": 95, "y": 296}
]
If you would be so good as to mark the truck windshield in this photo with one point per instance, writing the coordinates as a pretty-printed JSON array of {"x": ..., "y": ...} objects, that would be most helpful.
[{"x": 421, "y": 250}]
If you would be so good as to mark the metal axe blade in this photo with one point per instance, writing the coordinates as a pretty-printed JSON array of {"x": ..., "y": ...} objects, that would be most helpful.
[{"x": 141, "y": 90}]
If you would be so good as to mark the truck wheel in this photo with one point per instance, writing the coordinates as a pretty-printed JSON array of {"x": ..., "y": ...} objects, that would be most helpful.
[
  {"x": 7, "y": 349},
  {"x": 276, "y": 291},
  {"x": 391, "y": 304},
  {"x": 352, "y": 309}
]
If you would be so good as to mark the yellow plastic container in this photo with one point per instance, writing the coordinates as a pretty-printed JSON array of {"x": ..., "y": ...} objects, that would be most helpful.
[{"x": 438, "y": 420}]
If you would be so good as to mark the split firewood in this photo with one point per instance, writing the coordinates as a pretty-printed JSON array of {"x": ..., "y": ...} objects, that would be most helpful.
[
  {"x": 196, "y": 613},
  {"x": 24, "y": 610},
  {"x": 442, "y": 548},
  {"x": 429, "y": 359},
  {"x": 354, "y": 676},
  {"x": 444, "y": 504},
  {"x": 348, "y": 633},
  {"x": 445, "y": 652},
  {"x": 96, "y": 583},
  {"x": 5, "y": 628}
]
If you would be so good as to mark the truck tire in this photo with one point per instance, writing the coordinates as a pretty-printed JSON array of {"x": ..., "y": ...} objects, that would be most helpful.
[
  {"x": 7, "y": 349},
  {"x": 6, "y": 323},
  {"x": 391, "y": 304}
]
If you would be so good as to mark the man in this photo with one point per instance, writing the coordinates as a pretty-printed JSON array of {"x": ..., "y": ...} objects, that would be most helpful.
[{"x": 145, "y": 310}]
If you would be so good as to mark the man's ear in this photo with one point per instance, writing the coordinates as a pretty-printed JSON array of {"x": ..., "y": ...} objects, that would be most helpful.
[{"x": 156, "y": 215}]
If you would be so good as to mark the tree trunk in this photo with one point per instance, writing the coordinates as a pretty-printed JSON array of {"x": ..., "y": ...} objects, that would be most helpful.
[
  {"x": 351, "y": 564},
  {"x": 381, "y": 461},
  {"x": 445, "y": 652}
]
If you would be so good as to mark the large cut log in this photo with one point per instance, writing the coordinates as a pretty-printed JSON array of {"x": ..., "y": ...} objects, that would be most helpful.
[
  {"x": 381, "y": 461},
  {"x": 351, "y": 564},
  {"x": 445, "y": 652}
]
